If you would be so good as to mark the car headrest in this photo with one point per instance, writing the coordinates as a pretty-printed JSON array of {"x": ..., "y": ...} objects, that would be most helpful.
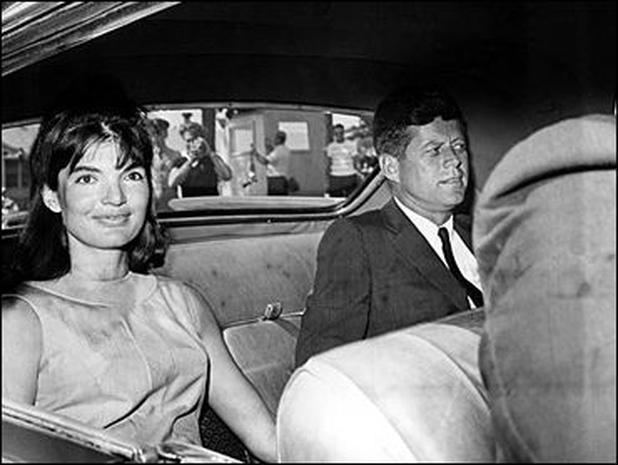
[
  {"x": 545, "y": 240},
  {"x": 410, "y": 395}
]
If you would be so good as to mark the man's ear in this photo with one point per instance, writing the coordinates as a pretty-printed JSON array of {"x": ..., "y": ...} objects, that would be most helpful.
[
  {"x": 50, "y": 199},
  {"x": 389, "y": 166}
]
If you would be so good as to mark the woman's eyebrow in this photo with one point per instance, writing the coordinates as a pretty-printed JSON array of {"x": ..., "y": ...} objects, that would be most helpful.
[{"x": 87, "y": 168}]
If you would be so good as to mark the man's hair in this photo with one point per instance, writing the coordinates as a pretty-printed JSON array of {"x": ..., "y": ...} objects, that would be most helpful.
[
  {"x": 161, "y": 124},
  {"x": 280, "y": 137},
  {"x": 338, "y": 126},
  {"x": 193, "y": 128},
  {"x": 410, "y": 106}
]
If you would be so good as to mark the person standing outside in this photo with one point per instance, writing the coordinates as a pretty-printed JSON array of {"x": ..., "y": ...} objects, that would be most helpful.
[
  {"x": 202, "y": 169},
  {"x": 277, "y": 163},
  {"x": 222, "y": 146},
  {"x": 410, "y": 261},
  {"x": 165, "y": 158},
  {"x": 341, "y": 156}
]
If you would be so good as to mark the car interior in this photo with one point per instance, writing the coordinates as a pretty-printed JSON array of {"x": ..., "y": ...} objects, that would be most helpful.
[{"x": 514, "y": 67}]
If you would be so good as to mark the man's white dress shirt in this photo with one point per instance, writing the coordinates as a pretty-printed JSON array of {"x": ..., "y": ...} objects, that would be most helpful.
[{"x": 463, "y": 255}]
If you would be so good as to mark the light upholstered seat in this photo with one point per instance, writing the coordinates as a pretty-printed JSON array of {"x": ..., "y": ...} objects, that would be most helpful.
[
  {"x": 413, "y": 395},
  {"x": 256, "y": 287},
  {"x": 240, "y": 279}
]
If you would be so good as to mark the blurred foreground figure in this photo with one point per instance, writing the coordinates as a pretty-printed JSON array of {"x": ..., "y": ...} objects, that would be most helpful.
[{"x": 545, "y": 241}]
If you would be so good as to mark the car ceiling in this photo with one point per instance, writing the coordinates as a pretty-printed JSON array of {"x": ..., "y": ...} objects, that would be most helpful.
[{"x": 341, "y": 54}]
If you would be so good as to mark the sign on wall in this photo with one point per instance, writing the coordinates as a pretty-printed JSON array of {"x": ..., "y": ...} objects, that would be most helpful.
[{"x": 297, "y": 134}]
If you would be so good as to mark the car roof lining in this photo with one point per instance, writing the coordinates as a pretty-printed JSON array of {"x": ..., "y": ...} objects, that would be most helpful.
[{"x": 342, "y": 54}]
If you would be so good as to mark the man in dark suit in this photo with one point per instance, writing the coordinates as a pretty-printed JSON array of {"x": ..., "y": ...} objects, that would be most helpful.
[{"x": 410, "y": 261}]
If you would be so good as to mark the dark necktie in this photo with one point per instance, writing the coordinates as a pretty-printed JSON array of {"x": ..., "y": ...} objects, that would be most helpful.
[{"x": 473, "y": 292}]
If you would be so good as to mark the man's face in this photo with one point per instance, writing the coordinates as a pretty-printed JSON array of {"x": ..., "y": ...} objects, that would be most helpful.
[
  {"x": 194, "y": 143},
  {"x": 432, "y": 175},
  {"x": 338, "y": 134}
]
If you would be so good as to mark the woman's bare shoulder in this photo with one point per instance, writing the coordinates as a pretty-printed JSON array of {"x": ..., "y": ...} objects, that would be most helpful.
[
  {"x": 21, "y": 328},
  {"x": 17, "y": 306},
  {"x": 22, "y": 347},
  {"x": 19, "y": 315}
]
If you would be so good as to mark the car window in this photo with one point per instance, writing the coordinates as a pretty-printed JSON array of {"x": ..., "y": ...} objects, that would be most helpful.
[
  {"x": 241, "y": 135},
  {"x": 16, "y": 144}
]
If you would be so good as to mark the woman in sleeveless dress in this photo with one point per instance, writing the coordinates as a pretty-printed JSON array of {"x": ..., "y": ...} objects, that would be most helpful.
[{"x": 88, "y": 333}]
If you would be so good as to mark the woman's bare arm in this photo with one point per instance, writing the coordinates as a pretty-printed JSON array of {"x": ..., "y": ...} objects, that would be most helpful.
[
  {"x": 233, "y": 396},
  {"x": 21, "y": 351}
]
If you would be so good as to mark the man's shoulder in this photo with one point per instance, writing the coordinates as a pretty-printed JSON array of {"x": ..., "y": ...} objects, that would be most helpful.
[
  {"x": 279, "y": 151},
  {"x": 328, "y": 150},
  {"x": 336, "y": 146},
  {"x": 350, "y": 235},
  {"x": 351, "y": 145},
  {"x": 360, "y": 223},
  {"x": 369, "y": 218},
  {"x": 345, "y": 145}
]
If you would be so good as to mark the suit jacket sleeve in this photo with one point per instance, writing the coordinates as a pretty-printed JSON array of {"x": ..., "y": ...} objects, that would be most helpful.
[{"x": 337, "y": 311}]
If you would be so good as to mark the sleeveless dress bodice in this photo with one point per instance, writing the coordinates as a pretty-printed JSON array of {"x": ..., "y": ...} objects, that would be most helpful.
[{"x": 140, "y": 373}]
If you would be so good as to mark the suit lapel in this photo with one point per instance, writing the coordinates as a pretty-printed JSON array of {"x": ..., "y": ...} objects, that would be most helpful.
[{"x": 417, "y": 252}]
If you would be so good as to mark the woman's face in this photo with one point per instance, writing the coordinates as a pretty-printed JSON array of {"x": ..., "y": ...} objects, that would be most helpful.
[{"x": 102, "y": 206}]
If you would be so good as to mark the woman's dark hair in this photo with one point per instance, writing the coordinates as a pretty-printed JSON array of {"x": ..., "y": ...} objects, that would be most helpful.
[
  {"x": 409, "y": 106},
  {"x": 65, "y": 134}
]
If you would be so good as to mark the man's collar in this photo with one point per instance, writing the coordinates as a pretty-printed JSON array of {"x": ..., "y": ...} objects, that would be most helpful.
[{"x": 423, "y": 224}]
